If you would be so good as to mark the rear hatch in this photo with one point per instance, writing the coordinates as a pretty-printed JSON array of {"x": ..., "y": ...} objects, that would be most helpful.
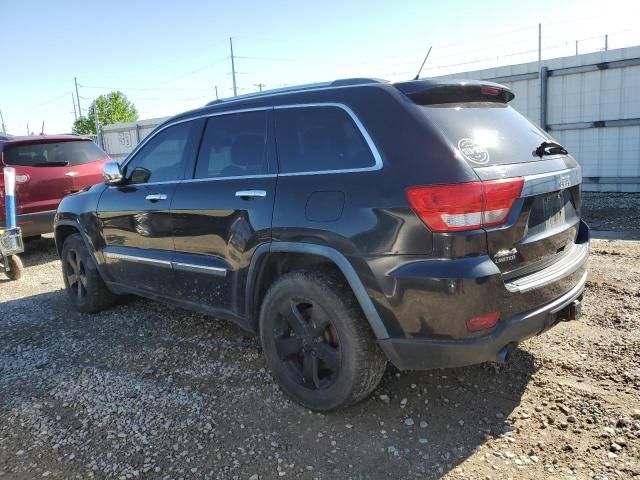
[
  {"x": 49, "y": 169},
  {"x": 499, "y": 143}
]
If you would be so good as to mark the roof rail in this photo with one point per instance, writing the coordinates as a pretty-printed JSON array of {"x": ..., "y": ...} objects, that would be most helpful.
[{"x": 300, "y": 88}]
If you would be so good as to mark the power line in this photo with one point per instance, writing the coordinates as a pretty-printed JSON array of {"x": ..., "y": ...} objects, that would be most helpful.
[
  {"x": 46, "y": 102},
  {"x": 273, "y": 59},
  {"x": 192, "y": 72},
  {"x": 103, "y": 87}
]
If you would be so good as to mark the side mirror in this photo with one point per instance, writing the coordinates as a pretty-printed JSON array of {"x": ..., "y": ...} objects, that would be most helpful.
[{"x": 112, "y": 173}]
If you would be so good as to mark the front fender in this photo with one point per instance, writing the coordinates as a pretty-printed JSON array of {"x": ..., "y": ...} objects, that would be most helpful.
[{"x": 79, "y": 212}]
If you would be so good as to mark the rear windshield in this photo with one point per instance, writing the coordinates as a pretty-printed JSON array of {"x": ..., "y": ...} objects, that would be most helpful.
[
  {"x": 487, "y": 133},
  {"x": 60, "y": 154}
]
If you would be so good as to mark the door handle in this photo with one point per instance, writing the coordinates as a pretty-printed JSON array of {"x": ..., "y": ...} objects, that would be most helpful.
[
  {"x": 251, "y": 194},
  {"x": 155, "y": 197}
]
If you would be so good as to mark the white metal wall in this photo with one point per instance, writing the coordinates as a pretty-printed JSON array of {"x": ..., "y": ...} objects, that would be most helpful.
[
  {"x": 600, "y": 95},
  {"x": 120, "y": 138}
]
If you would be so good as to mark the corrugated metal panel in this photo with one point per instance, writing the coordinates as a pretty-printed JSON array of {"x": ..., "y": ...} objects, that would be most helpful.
[
  {"x": 121, "y": 138},
  {"x": 599, "y": 95}
]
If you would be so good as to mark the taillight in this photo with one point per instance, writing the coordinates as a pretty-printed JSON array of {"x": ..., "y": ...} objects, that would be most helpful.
[
  {"x": 465, "y": 206},
  {"x": 484, "y": 322}
]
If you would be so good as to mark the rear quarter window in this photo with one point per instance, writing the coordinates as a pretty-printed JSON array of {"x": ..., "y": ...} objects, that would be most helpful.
[
  {"x": 55, "y": 154},
  {"x": 319, "y": 138}
]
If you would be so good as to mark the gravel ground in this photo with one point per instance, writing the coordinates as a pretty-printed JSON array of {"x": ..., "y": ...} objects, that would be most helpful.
[
  {"x": 612, "y": 211},
  {"x": 149, "y": 391}
]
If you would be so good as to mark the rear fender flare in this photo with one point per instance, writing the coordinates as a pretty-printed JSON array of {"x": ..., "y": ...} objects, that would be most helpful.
[{"x": 339, "y": 260}]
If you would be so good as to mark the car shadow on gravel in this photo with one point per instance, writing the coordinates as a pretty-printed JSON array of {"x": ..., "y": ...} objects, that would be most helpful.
[
  {"x": 437, "y": 419},
  {"x": 39, "y": 250}
]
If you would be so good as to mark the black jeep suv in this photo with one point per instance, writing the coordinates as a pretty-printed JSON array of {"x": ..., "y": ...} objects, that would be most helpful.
[{"x": 352, "y": 223}]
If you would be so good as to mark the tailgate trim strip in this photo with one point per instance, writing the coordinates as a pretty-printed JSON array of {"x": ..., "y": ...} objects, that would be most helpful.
[{"x": 550, "y": 182}]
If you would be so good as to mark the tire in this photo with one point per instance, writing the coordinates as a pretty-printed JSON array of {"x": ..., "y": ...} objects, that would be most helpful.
[
  {"x": 15, "y": 267},
  {"x": 83, "y": 282},
  {"x": 317, "y": 341}
]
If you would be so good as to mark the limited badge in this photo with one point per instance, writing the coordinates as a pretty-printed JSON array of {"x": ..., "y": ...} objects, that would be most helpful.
[
  {"x": 504, "y": 256},
  {"x": 473, "y": 151}
]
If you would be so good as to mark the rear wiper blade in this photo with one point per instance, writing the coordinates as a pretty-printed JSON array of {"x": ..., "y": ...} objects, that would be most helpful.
[
  {"x": 50, "y": 164},
  {"x": 550, "y": 148}
]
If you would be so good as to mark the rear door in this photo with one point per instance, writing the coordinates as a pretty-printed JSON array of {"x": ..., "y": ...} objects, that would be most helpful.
[
  {"x": 135, "y": 217},
  {"x": 47, "y": 171},
  {"x": 224, "y": 213},
  {"x": 500, "y": 143}
]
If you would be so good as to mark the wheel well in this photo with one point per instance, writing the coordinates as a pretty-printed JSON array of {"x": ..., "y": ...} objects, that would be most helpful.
[
  {"x": 277, "y": 264},
  {"x": 62, "y": 233}
]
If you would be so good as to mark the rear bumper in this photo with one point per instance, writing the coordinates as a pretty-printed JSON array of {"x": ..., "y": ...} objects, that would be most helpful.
[
  {"x": 423, "y": 354},
  {"x": 33, "y": 224},
  {"x": 426, "y": 303}
]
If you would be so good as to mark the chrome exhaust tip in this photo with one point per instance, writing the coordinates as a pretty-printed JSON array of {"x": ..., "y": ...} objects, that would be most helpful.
[{"x": 504, "y": 354}]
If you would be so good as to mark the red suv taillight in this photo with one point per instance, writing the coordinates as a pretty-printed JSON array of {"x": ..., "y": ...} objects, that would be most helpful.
[{"x": 465, "y": 206}]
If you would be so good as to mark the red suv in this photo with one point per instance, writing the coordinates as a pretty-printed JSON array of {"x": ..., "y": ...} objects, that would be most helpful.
[{"x": 48, "y": 167}]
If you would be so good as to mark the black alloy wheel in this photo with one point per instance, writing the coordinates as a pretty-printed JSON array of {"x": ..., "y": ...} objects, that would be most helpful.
[
  {"x": 317, "y": 341},
  {"x": 85, "y": 287},
  {"x": 307, "y": 342},
  {"x": 76, "y": 274}
]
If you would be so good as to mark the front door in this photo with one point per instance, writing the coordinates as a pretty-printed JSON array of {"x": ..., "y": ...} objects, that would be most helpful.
[
  {"x": 224, "y": 213},
  {"x": 135, "y": 216}
]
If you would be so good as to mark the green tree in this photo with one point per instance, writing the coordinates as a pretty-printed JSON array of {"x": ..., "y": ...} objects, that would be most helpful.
[{"x": 111, "y": 108}]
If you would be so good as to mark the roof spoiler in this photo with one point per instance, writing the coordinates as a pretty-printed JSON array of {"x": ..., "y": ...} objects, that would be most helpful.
[{"x": 431, "y": 92}]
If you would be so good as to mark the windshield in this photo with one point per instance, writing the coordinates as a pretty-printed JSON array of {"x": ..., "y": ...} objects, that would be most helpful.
[
  {"x": 487, "y": 133},
  {"x": 57, "y": 154}
]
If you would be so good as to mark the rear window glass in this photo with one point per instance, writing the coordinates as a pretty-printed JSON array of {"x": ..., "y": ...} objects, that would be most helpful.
[
  {"x": 312, "y": 139},
  {"x": 234, "y": 145},
  {"x": 54, "y": 154},
  {"x": 487, "y": 133}
]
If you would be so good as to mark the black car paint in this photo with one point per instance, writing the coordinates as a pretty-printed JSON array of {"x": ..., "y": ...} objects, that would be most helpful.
[{"x": 405, "y": 277}]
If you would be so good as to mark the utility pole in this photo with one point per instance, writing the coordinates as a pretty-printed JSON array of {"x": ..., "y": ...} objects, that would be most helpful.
[
  {"x": 97, "y": 111},
  {"x": 42, "y": 129},
  {"x": 233, "y": 68},
  {"x": 28, "y": 131},
  {"x": 576, "y": 48},
  {"x": 216, "y": 87},
  {"x": 606, "y": 42},
  {"x": 539, "y": 45},
  {"x": 78, "y": 97},
  {"x": 75, "y": 114},
  {"x": 4, "y": 130},
  {"x": 260, "y": 85}
]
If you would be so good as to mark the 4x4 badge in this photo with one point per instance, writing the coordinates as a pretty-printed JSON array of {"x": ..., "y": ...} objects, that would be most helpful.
[
  {"x": 473, "y": 151},
  {"x": 503, "y": 256}
]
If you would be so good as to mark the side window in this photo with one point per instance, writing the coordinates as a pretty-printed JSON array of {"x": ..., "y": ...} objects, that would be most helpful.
[
  {"x": 234, "y": 145},
  {"x": 319, "y": 138},
  {"x": 163, "y": 158}
]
